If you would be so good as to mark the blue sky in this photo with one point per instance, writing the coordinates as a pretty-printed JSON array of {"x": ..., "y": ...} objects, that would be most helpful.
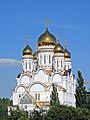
[{"x": 21, "y": 18}]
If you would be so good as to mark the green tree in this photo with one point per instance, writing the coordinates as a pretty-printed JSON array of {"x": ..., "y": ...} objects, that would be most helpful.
[
  {"x": 54, "y": 96},
  {"x": 4, "y": 102},
  {"x": 88, "y": 103},
  {"x": 81, "y": 99},
  {"x": 61, "y": 112},
  {"x": 18, "y": 115},
  {"x": 36, "y": 115}
]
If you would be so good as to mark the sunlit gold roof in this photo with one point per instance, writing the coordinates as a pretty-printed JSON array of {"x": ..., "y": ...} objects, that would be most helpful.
[
  {"x": 46, "y": 39},
  {"x": 67, "y": 53},
  {"x": 58, "y": 48},
  {"x": 27, "y": 50}
]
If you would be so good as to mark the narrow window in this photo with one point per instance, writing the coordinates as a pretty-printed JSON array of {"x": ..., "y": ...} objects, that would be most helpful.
[
  {"x": 68, "y": 66},
  {"x": 64, "y": 67},
  {"x": 38, "y": 96},
  {"x": 19, "y": 95},
  {"x": 61, "y": 63},
  {"x": 29, "y": 65},
  {"x": 57, "y": 63},
  {"x": 49, "y": 59},
  {"x": 44, "y": 59},
  {"x": 26, "y": 65},
  {"x": 40, "y": 59}
]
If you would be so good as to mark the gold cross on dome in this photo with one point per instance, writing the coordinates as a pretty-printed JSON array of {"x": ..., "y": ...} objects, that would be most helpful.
[
  {"x": 27, "y": 39},
  {"x": 58, "y": 36},
  {"x": 65, "y": 43},
  {"x": 46, "y": 21}
]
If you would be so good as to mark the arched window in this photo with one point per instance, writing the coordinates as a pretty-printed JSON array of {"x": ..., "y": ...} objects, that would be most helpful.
[
  {"x": 29, "y": 65},
  {"x": 68, "y": 67},
  {"x": 64, "y": 67},
  {"x": 37, "y": 96},
  {"x": 49, "y": 59},
  {"x": 57, "y": 63},
  {"x": 26, "y": 65},
  {"x": 44, "y": 59},
  {"x": 40, "y": 59},
  {"x": 61, "y": 63}
]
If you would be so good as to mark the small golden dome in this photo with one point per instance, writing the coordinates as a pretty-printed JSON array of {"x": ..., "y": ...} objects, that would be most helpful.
[
  {"x": 35, "y": 56},
  {"x": 46, "y": 39},
  {"x": 58, "y": 48},
  {"x": 27, "y": 50},
  {"x": 67, "y": 53}
]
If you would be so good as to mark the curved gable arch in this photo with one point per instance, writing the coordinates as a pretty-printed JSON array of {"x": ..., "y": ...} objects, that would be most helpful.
[
  {"x": 57, "y": 77},
  {"x": 41, "y": 76},
  {"x": 25, "y": 79},
  {"x": 38, "y": 87},
  {"x": 20, "y": 89}
]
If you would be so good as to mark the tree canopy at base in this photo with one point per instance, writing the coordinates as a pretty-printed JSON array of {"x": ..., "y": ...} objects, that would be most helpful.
[{"x": 61, "y": 112}]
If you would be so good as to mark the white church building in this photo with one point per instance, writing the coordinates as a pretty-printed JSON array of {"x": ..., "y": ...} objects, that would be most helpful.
[{"x": 51, "y": 63}]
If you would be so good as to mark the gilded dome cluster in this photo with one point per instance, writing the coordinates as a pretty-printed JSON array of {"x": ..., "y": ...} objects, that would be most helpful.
[
  {"x": 59, "y": 49},
  {"x": 47, "y": 39}
]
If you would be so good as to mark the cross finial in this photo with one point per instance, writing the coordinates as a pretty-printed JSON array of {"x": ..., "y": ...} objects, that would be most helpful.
[
  {"x": 65, "y": 43},
  {"x": 27, "y": 39},
  {"x": 46, "y": 21},
  {"x": 58, "y": 36}
]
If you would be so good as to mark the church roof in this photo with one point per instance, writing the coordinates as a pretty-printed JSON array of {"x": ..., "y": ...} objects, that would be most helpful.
[
  {"x": 46, "y": 39},
  {"x": 58, "y": 48},
  {"x": 67, "y": 53},
  {"x": 27, "y": 50}
]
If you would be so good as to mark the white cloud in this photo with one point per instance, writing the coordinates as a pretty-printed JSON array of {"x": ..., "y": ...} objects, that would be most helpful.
[{"x": 9, "y": 62}]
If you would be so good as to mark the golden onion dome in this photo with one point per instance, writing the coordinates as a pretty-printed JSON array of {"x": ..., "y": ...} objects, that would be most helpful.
[
  {"x": 27, "y": 50},
  {"x": 35, "y": 56},
  {"x": 67, "y": 53},
  {"x": 46, "y": 39},
  {"x": 58, "y": 48}
]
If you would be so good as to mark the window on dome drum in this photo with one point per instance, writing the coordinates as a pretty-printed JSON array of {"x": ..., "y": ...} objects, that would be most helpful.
[
  {"x": 44, "y": 59},
  {"x": 68, "y": 66},
  {"x": 40, "y": 59},
  {"x": 26, "y": 65},
  {"x": 49, "y": 59},
  {"x": 57, "y": 63},
  {"x": 29, "y": 65},
  {"x": 61, "y": 63},
  {"x": 65, "y": 67}
]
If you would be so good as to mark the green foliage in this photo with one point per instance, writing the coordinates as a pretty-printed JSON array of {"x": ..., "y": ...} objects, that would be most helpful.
[
  {"x": 61, "y": 112},
  {"x": 36, "y": 115},
  {"x": 18, "y": 115},
  {"x": 4, "y": 102},
  {"x": 88, "y": 103},
  {"x": 81, "y": 100},
  {"x": 54, "y": 96}
]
